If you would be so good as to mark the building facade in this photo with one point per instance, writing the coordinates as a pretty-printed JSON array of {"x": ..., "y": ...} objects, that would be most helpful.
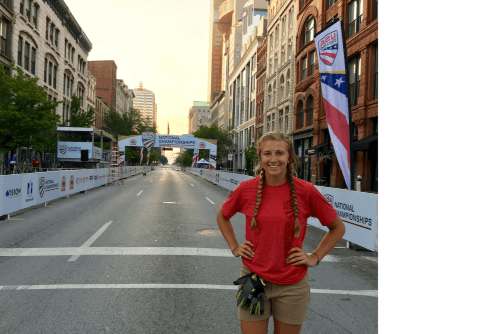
[
  {"x": 260, "y": 78},
  {"x": 36, "y": 39},
  {"x": 278, "y": 97},
  {"x": 91, "y": 86},
  {"x": 101, "y": 110},
  {"x": 144, "y": 101},
  {"x": 199, "y": 114},
  {"x": 360, "y": 23},
  {"x": 124, "y": 97},
  {"x": 105, "y": 73},
  {"x": 215, "y": 52}
]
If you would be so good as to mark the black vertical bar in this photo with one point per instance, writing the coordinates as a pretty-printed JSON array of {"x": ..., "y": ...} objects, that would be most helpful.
[{"x": 346, "y": 61}]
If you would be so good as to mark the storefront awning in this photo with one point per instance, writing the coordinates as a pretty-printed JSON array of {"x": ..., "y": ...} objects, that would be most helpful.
[{"x": 364, "y": 144}]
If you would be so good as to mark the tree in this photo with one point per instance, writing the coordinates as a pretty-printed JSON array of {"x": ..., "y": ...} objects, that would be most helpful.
[
  {"x": 163, "y": 160},
  {"x": 250, "y": 158},
  {"x": 223, "y": 136},
  {"x": 130, "y": 123},
  {"x": 80, "y": 119},
  {"x": 27, "y": 116}
]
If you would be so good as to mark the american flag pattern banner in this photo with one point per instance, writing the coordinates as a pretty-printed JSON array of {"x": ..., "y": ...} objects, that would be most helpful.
[
  {"x": 149, "y": 152},
  {"x": 140, "y": 160},
  {"x": 195, "y": 157},
  {"x": 332, "y": 68}
]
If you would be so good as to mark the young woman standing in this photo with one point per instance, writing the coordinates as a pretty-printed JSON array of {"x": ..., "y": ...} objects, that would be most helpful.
[{"x": 276, "y": 205}]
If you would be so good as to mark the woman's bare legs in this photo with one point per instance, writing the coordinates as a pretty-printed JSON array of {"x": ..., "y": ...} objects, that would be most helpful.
[
  {"x": 282, "y": 328},
  {"x": 254, "y": 327}
]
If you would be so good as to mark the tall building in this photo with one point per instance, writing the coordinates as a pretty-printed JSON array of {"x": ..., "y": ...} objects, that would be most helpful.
[
  {"x": 199, "y": 114},
  {"x": 360, "y": 20},
  {"x": 260, "y": 78},
  {"x": 144, "y": 102},
  {"x": 124, "y": 97},
  {"x": 105, "y": 73},
  {"x": 44, "y": 40},
  {"x": 214, "y": 52}
]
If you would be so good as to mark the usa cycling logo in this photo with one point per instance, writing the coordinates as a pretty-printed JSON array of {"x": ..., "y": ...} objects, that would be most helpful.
[
  {"x": 328, "y": 48},
  {"x": 148, "y": 139},
  {"x": 63, "y": 149},
  {"x": 329, "y": 199}
]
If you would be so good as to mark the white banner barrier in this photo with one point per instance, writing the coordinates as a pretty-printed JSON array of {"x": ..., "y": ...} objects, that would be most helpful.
[
  {"x": 24, "y": 190},
  {"x": 357, "y": 209}
]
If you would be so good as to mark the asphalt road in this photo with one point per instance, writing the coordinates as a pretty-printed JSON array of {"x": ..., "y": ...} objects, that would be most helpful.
[{"x": 148, "y": 257}]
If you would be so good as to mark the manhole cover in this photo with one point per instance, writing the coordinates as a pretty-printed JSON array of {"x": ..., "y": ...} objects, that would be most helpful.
[{"x": 209, "y": 232}]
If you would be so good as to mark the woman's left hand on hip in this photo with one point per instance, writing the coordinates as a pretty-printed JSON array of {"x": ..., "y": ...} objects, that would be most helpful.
[{"x": 300, "y": 257}]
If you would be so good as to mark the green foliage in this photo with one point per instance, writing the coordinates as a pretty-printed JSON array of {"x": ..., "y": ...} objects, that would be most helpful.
[
  {"x": 185, "y": 158},
  {"x": 136, "y": 152},
  {"x": 128, "y": 124},
  {"x": 250, "y": 158},
  {"x": 163, "y": 160},
  {"x": 223, "y": 136},
  {"x": 80, "y": 119},
  {"x": 27, "y": 116}
]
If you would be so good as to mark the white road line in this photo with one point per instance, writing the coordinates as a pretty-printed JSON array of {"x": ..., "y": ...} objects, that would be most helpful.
[
  {"x": 368, "y": 293},
  {"x": 66, "y": 251},
  {"x": 89, "y": 242},
  {"x": 192, "y": 184},
  {"x": 208, "y": 199},
  {"x": 140, "y": 192},
  {"x": 171, "y": 202},
  {"x": 151, "y": 181}
]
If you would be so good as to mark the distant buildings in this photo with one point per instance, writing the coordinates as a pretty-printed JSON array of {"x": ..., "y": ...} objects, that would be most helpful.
[
  {"x": 199, "y": 114},
  {"x": 144, "y": 101}
]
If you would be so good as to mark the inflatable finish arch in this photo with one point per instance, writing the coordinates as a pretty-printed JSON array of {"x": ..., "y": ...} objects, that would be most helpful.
[{"x": 150, "y": 139}]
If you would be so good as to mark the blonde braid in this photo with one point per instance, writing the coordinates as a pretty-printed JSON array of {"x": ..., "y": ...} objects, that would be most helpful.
[
  {"x": 258, "y": 200},
  {"x": 291, "y": 182}
]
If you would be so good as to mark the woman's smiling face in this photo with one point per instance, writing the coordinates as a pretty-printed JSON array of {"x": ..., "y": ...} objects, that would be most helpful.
[{"x": 274, "y": 158}]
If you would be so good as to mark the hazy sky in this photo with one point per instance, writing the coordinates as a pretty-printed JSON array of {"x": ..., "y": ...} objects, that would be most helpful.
[{"x": 164, "y": 44}]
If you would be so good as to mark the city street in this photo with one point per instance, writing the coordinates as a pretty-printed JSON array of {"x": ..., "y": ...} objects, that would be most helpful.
[{"x": 148, "y": 257}]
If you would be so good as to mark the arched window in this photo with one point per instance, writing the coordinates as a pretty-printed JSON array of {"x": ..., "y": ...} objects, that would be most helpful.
[
  {"x": 282, "y": 88},
  {"x": 270, "y": 91},
  {"x": 310, "y": 110},
  {"x": 300, "y": 115},
  {"x": 309, "y": 29},
  {"x": 275, "y": 100}
]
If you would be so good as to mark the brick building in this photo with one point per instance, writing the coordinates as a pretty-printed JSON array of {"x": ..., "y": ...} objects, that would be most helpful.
[
  {"x": 216, "y": 41},
  {"x": 360, "y": 19},
  {"x": 105, "y": 73}
]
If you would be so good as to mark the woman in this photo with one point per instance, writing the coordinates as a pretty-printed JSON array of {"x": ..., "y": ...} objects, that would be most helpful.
[{"x": 277, "y": 205}]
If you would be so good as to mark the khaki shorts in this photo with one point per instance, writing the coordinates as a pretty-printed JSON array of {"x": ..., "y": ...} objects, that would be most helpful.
[{"x": 287, "y": 303}]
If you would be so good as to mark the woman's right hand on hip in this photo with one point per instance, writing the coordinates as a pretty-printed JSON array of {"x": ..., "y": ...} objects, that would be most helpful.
[{"x": 244, "y": 250}]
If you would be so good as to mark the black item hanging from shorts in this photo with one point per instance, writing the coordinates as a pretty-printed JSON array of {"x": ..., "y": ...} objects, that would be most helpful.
[{"x": 251, "y": 295}]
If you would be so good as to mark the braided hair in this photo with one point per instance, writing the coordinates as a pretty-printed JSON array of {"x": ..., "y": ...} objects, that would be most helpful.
[{"x": 292, "y": 165}]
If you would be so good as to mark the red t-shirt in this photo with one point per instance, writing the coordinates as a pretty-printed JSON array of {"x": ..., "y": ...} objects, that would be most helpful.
[{"x": 275, "y": 221}]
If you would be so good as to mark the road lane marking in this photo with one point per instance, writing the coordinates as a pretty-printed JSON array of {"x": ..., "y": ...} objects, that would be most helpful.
[
  {"x": 192, "y": 184},
  {"x": 140, "y": 192},
  {"x": 367, "y": 293},
  {"x": 89, "y": 242},
  {"x": 172, "y": 202},
  {"x": 151, "y": 181},
  {"x": 208, "y": 199},
  {"x": 67, "y": 251}
]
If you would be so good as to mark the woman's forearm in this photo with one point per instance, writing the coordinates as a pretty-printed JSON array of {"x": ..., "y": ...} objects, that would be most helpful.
[
  {"x": 331, "y": 238},
  {"x": 227, "y": 231}
]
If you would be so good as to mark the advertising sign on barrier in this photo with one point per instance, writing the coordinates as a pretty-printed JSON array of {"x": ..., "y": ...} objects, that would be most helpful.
[
  {"x": 12, "y": 194},
  {"x": 29, "y": 186},
  {"x": 48, "y": 186}
]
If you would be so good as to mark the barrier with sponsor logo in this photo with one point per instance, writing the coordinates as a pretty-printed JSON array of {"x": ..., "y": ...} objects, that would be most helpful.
[
  {"x": 357, "y": 209},
  {"x": 24, "y": 190}
]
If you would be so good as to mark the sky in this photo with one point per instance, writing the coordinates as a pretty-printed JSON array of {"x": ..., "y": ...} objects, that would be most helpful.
[{"x": 164, "y": 44}]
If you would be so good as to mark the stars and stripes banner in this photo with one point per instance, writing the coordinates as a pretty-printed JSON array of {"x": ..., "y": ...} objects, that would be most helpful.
[
  {"x": 195, "y": 157},
  {"x": 332, "y": 68},
  {"x": 140, "y": 160},
  {"x": 149, "y": 152}
]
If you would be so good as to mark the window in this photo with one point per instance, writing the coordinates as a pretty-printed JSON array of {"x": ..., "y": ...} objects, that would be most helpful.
[
  {"x": 354, "y": 74},
  {"x": 20, "y": 52},
  {"x": 375, "y": 124},
  {"x": 47, "y": 25},
  {"x": 33, "y": 60},
  {"x": 301, "y": 4},
  {"x": 283, "y": 25},
  {"x": 376, "y": 9},
  {"x": 311, "y": 62},
  {"x": 51, "y": 34},
  {"x": 333, "y": 19},
  {"x": 355, "y": 16},
  {"x": 309, "y": 30},
  {"x": 28, "y": 10},
  {"x": 290, "y": 19},
  {"x": 45, "y": 71},
  {"x": 271, "y": 42},
  {"x": 56, "y": 38},
  {"x": 277, "y": 33},
  {"x": 310, "y": 110},
  {"x": 300, "y": 115},
  {"x": 3, "y": 36},
  {"x": 35, "y": 15},
  {"x": 331, "y": 3},
  {"x": 290, "y": 48},
  {"x": 55, "y": 78},
  {"x": 304, "y": 68},
  {"x": 50, "y": 73},
  {"x": 26, "y": 56},
  {"x": 282, "y": 54},
  {"x": 375, "y": 84},
  {"x": 280, "y": 121},
  {"x": 21, "y": 7}
]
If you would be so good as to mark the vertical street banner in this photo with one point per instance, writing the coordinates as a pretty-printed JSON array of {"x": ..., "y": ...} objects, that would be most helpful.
[
  {"x": 149, "y": 152},
  {"x": 140, "y": 160},
  {"x": 195, "y": 157},
  {"x": 332, "y": 68}
]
